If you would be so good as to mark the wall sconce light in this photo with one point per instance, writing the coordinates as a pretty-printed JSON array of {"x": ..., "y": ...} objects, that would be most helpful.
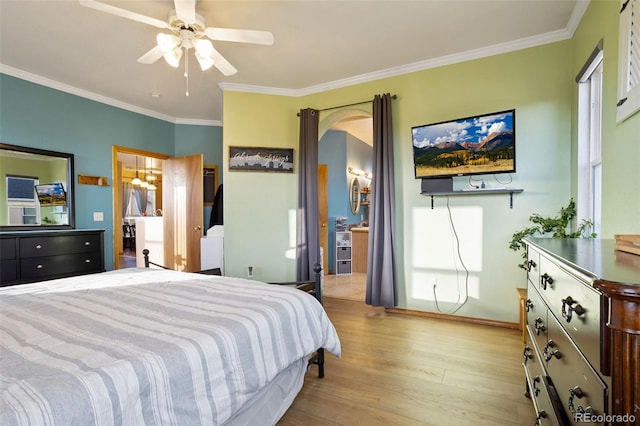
[{"x": 358, "y": 172}]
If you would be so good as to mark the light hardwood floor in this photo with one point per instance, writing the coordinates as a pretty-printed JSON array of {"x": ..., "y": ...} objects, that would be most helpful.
[
  {"x": 406, "y": 370},
  {"x": 350, "y": 286}
]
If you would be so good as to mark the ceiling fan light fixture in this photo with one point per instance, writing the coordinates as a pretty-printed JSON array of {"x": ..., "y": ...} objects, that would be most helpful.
[
  {"x": 203, "y": 51},
  {"x": 203, "y": 47},
  {"x": 167, "y": 42},
  {"x": 173, "y": 57},
  {"x": 205, "y": 63}
]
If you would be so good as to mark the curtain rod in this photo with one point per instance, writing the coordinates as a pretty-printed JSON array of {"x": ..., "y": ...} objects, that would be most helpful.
[{"x": 353, "y": 104}]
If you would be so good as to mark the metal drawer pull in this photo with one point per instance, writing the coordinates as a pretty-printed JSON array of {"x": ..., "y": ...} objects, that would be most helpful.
[
  {"x": 87, "y": 261},
  {"x": 528, "y": 304},
  {"x": 545, "y": 280},
  {"x": 541, "y": 415},
  {"x": 531, "y": 264},
  {"x": 39, "y": 266},
  {"x": 539, "y": 326},
  {"x": 568, "y": 309},
  {"x": 576, "y": 392},
  {"x": 548, "y": 354},
  {"x": 536, "y": 389},
  {"x": 87, "y": 243},
  {"x": 526, "y": 354},
  {"x": 38, "y": 246}
]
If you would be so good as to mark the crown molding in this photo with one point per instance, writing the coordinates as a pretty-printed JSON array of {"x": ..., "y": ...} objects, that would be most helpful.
[
  {"x": 576, "y": 15},
  {"x": 198, "y": 122},
  {"x": 52, "y": 84},
  {"x": 469, "y": 55},
  {"x": 524, "y": 43}
]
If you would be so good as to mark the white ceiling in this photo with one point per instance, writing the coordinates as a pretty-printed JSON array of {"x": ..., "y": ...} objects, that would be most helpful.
[{"x": 319, "y": 45}]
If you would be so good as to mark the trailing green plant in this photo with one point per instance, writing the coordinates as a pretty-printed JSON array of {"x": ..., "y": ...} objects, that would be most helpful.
[{"x": 556, "y": 227}]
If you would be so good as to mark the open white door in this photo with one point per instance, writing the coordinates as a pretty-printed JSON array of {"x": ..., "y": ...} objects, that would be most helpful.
[{"x": 182, "y": 201}]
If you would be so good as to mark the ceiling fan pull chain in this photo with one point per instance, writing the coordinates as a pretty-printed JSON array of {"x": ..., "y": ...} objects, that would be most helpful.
[{"x": 186, "y": 68}]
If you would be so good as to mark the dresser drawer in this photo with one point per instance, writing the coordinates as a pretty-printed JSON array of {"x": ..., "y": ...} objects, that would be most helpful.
[
  {"x": 65, "y": 264},
  {"x": 536, "y": 318},
  {"x": 8, "y": 248},
  {"x": 533, "y": 265},
  {"x": 548, "y": 408},
  {"x": 8, "y": 271},
  {"x": 576, "y": 305},
  {"x": 579, "y": 388},
  {"x": 532, "y": 363},
  {"x": 62, "y": 244}
]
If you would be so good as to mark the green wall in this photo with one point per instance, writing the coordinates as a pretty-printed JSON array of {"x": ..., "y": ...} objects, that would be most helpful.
[
  {"x": 620, "y": 142},
  {"x": 259, "y": 208},
  {"x": 540, "y": 84},
  {"x": 426, "y": 247}
]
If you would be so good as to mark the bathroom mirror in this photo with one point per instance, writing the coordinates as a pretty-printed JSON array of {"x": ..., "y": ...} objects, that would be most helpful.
[
  {"x": 354, "y": 195},
  {"x": 36, "y": 190}
]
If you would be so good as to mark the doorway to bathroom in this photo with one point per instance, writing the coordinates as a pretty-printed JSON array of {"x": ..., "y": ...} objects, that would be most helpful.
[{"x": 345, "y": 149}]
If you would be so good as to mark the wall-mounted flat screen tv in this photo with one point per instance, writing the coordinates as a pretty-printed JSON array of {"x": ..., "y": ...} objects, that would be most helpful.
[
  {"x": 481, "y": 144},
  {"x": 51, "y": 194}
]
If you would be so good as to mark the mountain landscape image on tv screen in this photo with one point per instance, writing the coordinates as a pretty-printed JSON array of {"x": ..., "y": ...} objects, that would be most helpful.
[{"x": 475, "y": 145}]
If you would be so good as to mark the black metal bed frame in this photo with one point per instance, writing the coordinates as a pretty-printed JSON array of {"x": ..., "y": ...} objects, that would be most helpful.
[{"x": 312, "y": 287}]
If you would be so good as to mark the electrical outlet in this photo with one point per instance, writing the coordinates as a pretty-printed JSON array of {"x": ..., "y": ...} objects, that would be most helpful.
[{"x": 249, "y": 271}]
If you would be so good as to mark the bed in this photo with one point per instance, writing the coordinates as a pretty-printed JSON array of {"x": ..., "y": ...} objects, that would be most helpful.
[{"x": 155, "y": 347}]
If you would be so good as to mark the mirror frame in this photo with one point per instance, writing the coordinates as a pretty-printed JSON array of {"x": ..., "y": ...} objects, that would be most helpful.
[
  {"x": 354, "y": 195},
  {"x": 70, "y": 189}
]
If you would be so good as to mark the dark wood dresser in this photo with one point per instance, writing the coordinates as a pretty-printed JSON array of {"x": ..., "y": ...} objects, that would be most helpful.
[
  {"x": 29, "y": 256},
  {"x": 582, "y": 355}
]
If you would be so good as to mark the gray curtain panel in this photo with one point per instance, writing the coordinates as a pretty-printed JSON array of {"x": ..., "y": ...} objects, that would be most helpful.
[
  {"x": 307, "y": 233},
  {"x": 126, "y": 195},
  {"x": 382, "y": 289}
]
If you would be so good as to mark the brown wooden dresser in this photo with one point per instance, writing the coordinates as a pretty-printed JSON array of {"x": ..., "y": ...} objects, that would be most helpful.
[
  {"x": 582, "y": 355},
  {"x": 28, "y": 256}
]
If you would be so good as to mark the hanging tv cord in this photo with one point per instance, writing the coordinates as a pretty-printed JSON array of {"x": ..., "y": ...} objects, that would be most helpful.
[
  {"x": 457, "y": 305},
  {"x": 503, "y": 183}
]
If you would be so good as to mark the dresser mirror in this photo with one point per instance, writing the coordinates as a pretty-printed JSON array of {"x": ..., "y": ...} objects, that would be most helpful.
[{"x": 36, "y": 191}]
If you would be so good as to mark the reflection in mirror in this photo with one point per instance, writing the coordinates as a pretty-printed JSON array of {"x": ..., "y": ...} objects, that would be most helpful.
[
  {"x": 36, "y": 190},
  {"x": 354, "y": 195}
]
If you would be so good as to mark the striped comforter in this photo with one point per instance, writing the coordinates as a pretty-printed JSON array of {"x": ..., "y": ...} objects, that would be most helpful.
[{"x": 148, "y": 346}]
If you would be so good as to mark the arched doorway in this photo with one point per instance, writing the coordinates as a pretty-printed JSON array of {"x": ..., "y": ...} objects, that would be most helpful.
[{"x": 344, "y": 143}]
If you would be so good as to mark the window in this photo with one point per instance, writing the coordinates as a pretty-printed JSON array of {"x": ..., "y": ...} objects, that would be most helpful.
[
  {"x": 590, "y": 140},
  {"x": 21, "y": 200},
  {"x": 629, "y": 60}
]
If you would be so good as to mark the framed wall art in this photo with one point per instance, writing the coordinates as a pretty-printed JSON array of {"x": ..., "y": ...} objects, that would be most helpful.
[{"x": 260, "y": 159}]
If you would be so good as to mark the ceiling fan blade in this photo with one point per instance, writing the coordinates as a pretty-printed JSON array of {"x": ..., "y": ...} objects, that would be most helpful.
[
  {"x": 102, "y": 7},
  {"x": 186, "y": 11},
  {"x": 151, "y": 56},
  {"x": 241, "y": 36},
  {"x": 222, "y": 64}
]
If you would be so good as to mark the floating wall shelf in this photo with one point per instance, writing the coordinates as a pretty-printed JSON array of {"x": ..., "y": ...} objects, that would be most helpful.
[{"x": 485, "y": 191}]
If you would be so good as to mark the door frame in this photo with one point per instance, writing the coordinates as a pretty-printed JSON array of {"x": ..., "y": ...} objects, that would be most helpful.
[
  {"x": 334, "y": 117},
  {"x": 117, "y": 194}
]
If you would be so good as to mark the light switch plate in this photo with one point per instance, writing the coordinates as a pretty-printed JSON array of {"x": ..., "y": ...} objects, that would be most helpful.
[{"x": 98, "y": 216}]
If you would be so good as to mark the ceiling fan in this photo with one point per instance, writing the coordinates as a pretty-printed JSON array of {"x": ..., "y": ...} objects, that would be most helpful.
[{"x": 187, "y": 30}]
